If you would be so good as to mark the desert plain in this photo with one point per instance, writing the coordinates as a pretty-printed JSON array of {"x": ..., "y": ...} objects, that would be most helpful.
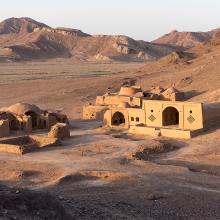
[{"x": 105, "y": 174}]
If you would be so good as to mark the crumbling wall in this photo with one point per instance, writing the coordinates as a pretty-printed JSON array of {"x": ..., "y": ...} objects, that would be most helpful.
[
  {"x": 45, "y": 141},
  {"x": 54, "y": 118},
  {"x": 4, "y": 128},
  {"x": 60, "y": 131},
  {"x": 179, "y": 96},
  {"x": 26, "y": 144},
  {"x": 18, "y": 145},
  {"x": 114, "y": 99}
]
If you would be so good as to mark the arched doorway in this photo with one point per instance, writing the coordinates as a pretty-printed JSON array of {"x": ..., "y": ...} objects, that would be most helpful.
[
  {"x": 118, "y": 119},
  {"x": 170, "y": 117},
  {"x": 34, "y": 117}
]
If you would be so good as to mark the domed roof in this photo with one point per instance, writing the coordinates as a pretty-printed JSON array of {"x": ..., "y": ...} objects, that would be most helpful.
[
  {"x": 131, "y": 91},
  {"x": 22, "y": 108}
]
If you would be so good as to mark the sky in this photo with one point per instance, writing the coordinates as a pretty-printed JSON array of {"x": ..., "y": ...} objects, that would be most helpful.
[{"x": 139, "y": 19}]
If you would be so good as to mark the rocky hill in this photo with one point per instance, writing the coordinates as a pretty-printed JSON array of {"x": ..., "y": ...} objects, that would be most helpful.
[
  {"x": 26, "y": 39},
  {"x": 195, "y": 71},
  {"x": 185, "y": 39}
]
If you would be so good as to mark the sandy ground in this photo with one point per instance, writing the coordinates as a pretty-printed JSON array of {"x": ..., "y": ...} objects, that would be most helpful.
[{"x": 95, "y": 175}]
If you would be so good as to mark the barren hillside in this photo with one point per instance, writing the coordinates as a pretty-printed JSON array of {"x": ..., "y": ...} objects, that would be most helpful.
[
  {"x": 185, "y": 39},
  {"x": 196, "y": 71},
  {"x": 26, "y": 39}
]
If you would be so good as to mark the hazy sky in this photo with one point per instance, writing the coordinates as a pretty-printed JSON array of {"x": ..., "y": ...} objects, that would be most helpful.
[{"x": 140, "y": 19}]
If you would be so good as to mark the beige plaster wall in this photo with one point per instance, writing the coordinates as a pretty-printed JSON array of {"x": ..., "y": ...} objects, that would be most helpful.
[
  {"x": 109, "y": 114},
  {"x": 117, "y": 99},
  {"x": 94, "y": 112},
  {"x": 190, "y": 114}
]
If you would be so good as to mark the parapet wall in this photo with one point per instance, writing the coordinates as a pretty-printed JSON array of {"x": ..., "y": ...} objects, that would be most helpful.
[{"x": 111, "y": 100}]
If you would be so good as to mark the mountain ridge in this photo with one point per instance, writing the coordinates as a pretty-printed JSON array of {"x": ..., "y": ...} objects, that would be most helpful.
[
  {"x": 185, "y": 39},
  {"x": 26, "y": 39}
]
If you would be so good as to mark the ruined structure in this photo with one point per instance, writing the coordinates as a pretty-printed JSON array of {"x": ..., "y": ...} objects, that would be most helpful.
[
  {"x": 27, "y": 117},
  {"x": 169, "y": 94},
  {"x": 156, "y": 113},
  {"x": 27, "y": 143},
  {"x": 60, "y": 131}
]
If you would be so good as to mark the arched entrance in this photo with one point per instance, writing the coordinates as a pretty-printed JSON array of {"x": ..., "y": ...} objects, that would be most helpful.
[
  {"x": 118, "y": 119},
  {"x": 170, "y": 117},
  {"x": 34, "y": 117}
]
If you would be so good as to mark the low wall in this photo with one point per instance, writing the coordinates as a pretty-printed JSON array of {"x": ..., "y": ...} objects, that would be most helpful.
[
  {"x": 174, "y": 133},
  {"x": 166, "y": 132},
  {"x": 44, "y": 141},
  {"x": 143, "y": 130},
  {"x": 17, "y": 149},
  {"x": 26, "y": 144}
]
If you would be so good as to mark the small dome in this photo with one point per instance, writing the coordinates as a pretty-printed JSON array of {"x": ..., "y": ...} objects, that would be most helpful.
[
  {"x": 131, "y": 91},
  {"x": 22, "y": 108}
]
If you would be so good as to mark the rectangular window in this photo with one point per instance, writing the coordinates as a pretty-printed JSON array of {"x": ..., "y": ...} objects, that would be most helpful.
[
  {"x": 132, "y": 118},
  {"x": 137, "y": 119}
]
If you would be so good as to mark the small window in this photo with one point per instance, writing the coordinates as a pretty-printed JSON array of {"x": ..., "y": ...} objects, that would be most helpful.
[
  {"x": 132, "y": 118},
  {"x": 137, "y": 119},
  {"x": 152, "y": 110},
  {"x": 190, "y": 111}
]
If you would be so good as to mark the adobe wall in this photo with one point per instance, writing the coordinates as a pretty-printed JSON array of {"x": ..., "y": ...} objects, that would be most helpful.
[
  {"x": 26, "y": 144},
  {"x": 10, "y": 148},
  {"x": 45, "y": 141},
  {"x": 109, "y": 114},
  {"x": 4, "y": 128},
  {"x": 60, "y": 131},
  {"x": 172, "y": 96},
  {"x": 18, "y": 145},
  {"x": 190, "y": 114},
  {"x": 52, "y": 119},
  {"x": 117, "y": 99},
  {"x": 24, "y": 123},
  {"x": 94, "y": 112},
  {"x": 172, "y": 133},
  {"x": 136, "y": 116},
  {"x": 168, "y": 118}
]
